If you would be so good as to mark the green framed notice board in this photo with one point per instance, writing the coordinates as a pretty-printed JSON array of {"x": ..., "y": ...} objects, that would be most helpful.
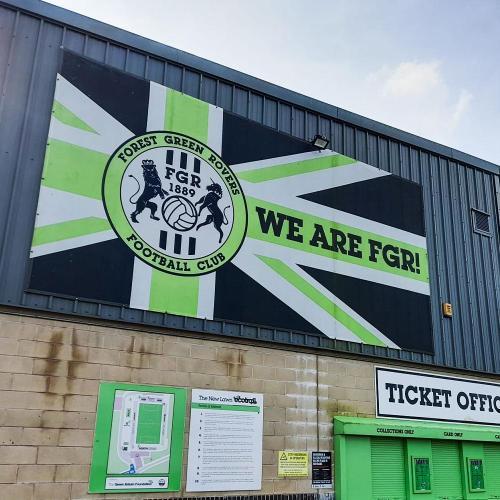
[{"x": 138, "y": 439}]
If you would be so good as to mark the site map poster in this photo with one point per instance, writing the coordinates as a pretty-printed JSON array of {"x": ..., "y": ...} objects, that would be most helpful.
[
  {"x": 138, "y": 438},
  {"x": 156, "y": 200}
]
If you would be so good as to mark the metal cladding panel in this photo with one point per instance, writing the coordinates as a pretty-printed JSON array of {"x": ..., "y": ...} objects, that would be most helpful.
[{"x": 464, "y": 265}]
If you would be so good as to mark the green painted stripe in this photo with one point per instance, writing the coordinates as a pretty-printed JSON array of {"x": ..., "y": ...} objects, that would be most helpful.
[
  {"x": 318, "y": 298},
  {"x": 308, "y": 229},
  {"x": 64, "y": 115},
  {"x": 69, "y": 229},
  {"x": 212, "y": 406},
  {"x": 170, "y": 293},
  {"x": 300, "y": 167},
  {"x": 174, "y": 294},
  {"x": 186, "y": 115},
  {"x": 73, "y": 169}
]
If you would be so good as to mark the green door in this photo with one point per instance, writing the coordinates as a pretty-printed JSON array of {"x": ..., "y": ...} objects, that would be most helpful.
[
  {"x": 492, "y": 467},
  {"x": 447, "y": 470},
  {"x": 388, "y": 469}
]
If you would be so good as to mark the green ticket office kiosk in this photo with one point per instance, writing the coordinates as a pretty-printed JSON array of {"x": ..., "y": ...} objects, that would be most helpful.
[{"x": 382, "y": 459}]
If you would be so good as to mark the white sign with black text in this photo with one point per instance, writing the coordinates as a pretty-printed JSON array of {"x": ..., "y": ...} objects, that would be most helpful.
[
  {"x": 225, "y": 441},
  {"x": 428, "y": 396}
]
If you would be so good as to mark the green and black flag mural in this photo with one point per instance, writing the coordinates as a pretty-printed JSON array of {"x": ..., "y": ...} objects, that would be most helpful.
[{"x": 159, "y": 201}]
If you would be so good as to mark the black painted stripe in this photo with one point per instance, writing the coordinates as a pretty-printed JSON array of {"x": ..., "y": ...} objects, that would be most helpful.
[
  {"x": 110, "y": 89},
  {"x": 184, "y": 158},
  {"x": 177, "y": 243},
  {"x": 389, "y": 200},
  {"x": 196, "y": 166},
  {"x": 401, "y": 315},
  {"x": 163, "y": 240},
  {"x": 170, "y": 157},
  {"x": 192, "y": 246}
]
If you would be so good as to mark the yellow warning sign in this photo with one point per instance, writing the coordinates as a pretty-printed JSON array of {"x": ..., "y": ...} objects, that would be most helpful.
[{"x": 293, "y": 464}]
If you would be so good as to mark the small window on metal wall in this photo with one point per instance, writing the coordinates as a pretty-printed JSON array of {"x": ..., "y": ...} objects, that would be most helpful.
[{"x": 481, "y": 222}]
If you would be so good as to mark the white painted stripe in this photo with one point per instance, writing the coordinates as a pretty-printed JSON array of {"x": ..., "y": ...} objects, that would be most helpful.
[
  {"x": 142, "y": 274},
  {"x": 141, "y": 285},
  {"x": 60, "y": 206},
  {"x": 206, "y": 289},
  {"x": 290, "y": 296},
  {"x": 376, "y": 276},
  {"x": 249, "y": 263},
  {"x": 310, "y": 182},
  {"x": 80, "y": 241},
  {"x": 81, "y": 138},
  {"x": 294, "y": 256},
  {"x": 342, "y": 305},
  {"x": 281, "y": 160},
  {"x": 156, "y": 106},
  {"x": 206, "y": 296},
  {"x": 111, "y": 130},
  {"x": 215, "y": 119}
]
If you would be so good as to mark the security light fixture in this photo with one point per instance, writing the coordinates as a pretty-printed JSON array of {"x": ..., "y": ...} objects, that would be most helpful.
[{"x": 320, "y": 141}]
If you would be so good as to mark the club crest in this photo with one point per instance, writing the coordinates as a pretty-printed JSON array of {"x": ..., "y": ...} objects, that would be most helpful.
[{"x": 175, "y": 203}]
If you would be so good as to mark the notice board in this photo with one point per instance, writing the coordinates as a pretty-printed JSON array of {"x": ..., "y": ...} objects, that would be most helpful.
[
  {"x": 225, "y": 441},
  {"x": 138, "y": 439}
]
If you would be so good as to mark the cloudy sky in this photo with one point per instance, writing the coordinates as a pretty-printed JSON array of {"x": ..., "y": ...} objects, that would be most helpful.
[{"x": 430, "y": 67}]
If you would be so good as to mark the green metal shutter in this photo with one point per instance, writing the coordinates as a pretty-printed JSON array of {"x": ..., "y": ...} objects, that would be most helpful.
[
  {"x": 388, "y": 469},
  {"x": 446, "y": 468},
  {"x": 492, "y": 467}
]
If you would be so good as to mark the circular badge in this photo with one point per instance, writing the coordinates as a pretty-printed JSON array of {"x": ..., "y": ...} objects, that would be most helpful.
[{"x": 174, "y": 203}]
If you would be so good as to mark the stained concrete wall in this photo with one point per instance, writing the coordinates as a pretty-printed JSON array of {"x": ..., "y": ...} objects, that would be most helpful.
[{"x": 50, "y": 370}]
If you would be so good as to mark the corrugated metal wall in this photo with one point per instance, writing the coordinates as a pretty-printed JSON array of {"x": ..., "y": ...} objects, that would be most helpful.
[{"x": 465, "y": 266}]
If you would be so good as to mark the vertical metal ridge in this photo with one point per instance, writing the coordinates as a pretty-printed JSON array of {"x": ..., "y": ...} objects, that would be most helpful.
[
  {"x": 8, "y": 63},
  {"x": 17, "y": 171}
]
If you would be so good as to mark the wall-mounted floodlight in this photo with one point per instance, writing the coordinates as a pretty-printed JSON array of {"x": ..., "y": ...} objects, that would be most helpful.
[{"x": 320, "y": 141}]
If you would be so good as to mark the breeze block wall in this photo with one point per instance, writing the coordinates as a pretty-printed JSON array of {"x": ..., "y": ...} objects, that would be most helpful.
[{"x": 49, "y": 378}]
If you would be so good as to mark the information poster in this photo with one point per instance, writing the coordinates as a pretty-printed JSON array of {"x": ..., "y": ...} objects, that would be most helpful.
[
  {"x": 138, "y": 438},
  {"x": 322, "y": 469},
  {"x": 225, "y": 441},
  {"x": 293, "y": 464}
]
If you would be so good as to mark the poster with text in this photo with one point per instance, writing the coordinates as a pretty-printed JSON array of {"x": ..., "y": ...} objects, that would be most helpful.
[
  {"x": 158, "y": 201},
  {"x": 225, "y": 441}
]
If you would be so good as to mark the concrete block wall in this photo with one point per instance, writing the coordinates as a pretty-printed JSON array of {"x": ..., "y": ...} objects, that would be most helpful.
[{"x": 50, "y": 372}]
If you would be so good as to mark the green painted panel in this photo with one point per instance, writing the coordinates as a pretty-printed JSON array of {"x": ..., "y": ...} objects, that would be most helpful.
[
  {"x": 316, "y": 226},
  {"x": 415, "y": 429},
  {"x": 169, "y": 293},
  {"x": 69, "y": 229},
  {"x": 73, "y": 169},
  {"x": 299, "y": 167},
  {"x": 351, "y": 459},
  {"x": 447, "y": 470},
  {"x": 492, "y": 466},
  {"x": 388, "y": 469},
  {"x": 174, "y": 294},
  {"x": 64, "y": 115},
  {"x": 187, "y": 115}
]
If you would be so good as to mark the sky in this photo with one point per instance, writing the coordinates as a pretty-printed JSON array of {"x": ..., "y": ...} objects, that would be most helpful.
[{"x": 429, "y": 67}]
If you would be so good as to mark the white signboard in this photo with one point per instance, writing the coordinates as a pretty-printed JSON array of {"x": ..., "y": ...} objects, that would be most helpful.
[
  {"x": 428, "y": 396},
  {"x": 225, "y": 441}
]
